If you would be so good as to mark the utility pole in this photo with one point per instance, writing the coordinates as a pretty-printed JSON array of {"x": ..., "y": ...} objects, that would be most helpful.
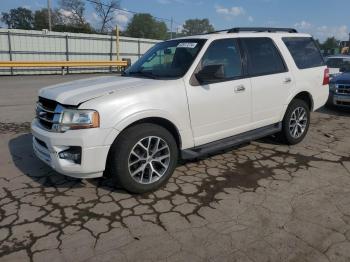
[
  {"x": 171, "y": 28},
  {"x": 49, "y": 13},
  {"x": 117, "y": 41}
]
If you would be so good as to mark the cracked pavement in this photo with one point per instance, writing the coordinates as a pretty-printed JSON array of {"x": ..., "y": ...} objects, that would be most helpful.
[{"x": 262, "y": 201}]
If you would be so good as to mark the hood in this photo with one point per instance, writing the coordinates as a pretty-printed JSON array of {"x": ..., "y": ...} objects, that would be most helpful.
[
  {"x": 343, "y": 78},
  {"x": 80, "y": 91}
]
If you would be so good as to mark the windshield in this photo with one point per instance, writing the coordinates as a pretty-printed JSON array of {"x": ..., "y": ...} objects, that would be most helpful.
[
  {"x": 170, "y": 59},
  {"x": 341, "y": 63}
]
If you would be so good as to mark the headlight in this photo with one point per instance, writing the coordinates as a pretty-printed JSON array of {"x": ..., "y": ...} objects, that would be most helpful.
[
  {"x": 77, "y": 119},
  {"x": 332, "y": 86}
]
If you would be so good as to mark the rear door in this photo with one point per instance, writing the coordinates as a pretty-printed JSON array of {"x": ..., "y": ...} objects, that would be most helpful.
[{"x": 270, "y": 80}]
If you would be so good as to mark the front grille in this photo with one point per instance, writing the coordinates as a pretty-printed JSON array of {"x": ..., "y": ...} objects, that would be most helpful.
[
  {"x": 343, "y": 89},
  {"x": 343, "y": 103},
  {"x": 47, "y": 112}
]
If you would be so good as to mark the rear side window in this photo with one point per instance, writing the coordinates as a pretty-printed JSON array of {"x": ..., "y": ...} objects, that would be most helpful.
[
  {"x": 263, "y": 56},
  {"x": 304, "y": 52}
]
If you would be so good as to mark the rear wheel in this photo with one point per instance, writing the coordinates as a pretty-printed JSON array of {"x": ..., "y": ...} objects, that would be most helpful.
[
  {"x": 296, "y": 122},
  {"x": 143, "y": 158}
]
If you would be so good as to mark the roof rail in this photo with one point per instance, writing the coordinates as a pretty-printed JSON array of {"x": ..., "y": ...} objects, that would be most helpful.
[{"x": 261, "y": 29}]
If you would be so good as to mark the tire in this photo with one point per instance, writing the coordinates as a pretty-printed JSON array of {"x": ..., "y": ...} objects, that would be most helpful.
[
  {"x": 149, "y": 169},
  {"x": 288, "y": 134}
]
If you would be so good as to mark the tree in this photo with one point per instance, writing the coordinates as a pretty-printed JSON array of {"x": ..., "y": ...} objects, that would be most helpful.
[
  {"x": 145, "y": 26},
  {"x": 18, "y": 18},
  {"x": 41, "y": 19},
  {"x": 197, "y": 26},
  {"x": 76, "y": 9},
  {"x": 71, "y": 17},
  {"x": 330, "y": 43},
  {"x": 105, "y": 12}
]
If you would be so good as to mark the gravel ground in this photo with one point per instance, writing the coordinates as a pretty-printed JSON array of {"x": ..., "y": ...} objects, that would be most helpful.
[{"x": 260, "y": 202}]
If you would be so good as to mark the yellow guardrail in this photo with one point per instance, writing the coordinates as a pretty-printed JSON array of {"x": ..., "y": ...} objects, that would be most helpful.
[{"x": 63, "y": 63}]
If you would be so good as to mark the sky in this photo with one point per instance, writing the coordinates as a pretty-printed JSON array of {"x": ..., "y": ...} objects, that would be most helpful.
[{"x": 321, "y": 18}]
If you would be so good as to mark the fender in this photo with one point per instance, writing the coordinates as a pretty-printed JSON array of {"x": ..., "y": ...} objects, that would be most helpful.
[
  {"x": 186, "y": 136},
  {"x": 291, "y": 97}
]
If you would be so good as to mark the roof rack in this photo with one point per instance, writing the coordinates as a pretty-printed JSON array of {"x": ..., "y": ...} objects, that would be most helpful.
[{"x": 261, "y": 29}]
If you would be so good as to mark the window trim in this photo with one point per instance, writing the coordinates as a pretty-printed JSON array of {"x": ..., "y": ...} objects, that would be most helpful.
[
  {"x": 316, "y": 45},
  {"x": 195, "y": 82},
  {"x": 246, "y": 54}
]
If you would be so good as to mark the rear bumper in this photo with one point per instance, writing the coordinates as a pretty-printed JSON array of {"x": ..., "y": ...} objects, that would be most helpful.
[{"x": 47, "y": 145}]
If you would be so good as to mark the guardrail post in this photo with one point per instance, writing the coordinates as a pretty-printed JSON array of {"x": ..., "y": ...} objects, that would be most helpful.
[
  {"x": 10, "y": 48},
  {"x": 67, "y": 54},
  {"x": 138, "y": 48},
  {"x": 111, "y": 52}
]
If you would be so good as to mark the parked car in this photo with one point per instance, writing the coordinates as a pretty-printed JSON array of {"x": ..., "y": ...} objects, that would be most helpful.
[
  {"x": 337, "y": 62},
  {"x": 186, "y": 97},
  {"x": 339, "y": 89}
]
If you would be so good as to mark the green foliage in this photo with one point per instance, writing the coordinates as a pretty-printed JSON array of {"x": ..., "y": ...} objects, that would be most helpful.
[
  {"x": 86, "y": 28},
  {"x": 145, "y": 26},
  {"x": 41, "y": 19},
  {"x": 18, "y": 18},
  {"x": 330, "y": 43},
  {"x": 197, "y": 26}
]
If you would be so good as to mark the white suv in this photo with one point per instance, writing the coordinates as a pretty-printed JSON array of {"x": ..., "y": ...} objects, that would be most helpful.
[{"x": 186, "y": 98}]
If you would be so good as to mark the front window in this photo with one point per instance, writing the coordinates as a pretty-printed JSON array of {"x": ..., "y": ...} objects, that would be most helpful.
[{"x": 170, "y": 59}]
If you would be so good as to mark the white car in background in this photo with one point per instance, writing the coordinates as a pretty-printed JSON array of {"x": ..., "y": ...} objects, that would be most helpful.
[{"x": 185, "y": 97}]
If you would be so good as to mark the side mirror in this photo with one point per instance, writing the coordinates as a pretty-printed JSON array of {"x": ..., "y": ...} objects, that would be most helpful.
[{"x": 211, "y": 73}]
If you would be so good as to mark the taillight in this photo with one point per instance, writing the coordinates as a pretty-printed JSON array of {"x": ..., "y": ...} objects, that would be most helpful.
[{"x": 326, "y": 77}]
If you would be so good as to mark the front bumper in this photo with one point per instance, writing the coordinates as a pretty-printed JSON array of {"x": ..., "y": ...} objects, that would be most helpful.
[
  {"x": 339, "y": 100},
  {"x": 94, "y": 150}
]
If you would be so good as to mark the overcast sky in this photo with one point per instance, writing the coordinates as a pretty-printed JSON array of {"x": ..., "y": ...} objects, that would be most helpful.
[{"x": 322, "y": 18}]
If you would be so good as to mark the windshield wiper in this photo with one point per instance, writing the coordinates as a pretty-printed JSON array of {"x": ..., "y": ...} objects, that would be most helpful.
[{"x": 142, "y": 73}]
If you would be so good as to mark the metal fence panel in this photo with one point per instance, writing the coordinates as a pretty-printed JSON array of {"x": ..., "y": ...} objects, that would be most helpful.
[{"x": 30, "y": 45}]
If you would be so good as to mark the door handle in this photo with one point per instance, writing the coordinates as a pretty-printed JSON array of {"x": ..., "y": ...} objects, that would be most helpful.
[
  {"x": 239, "y": 89},
  {"x": 287, "y": 80}
]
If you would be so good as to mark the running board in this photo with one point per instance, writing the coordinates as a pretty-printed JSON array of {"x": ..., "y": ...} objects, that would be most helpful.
[{"x": 230, "y": 141}]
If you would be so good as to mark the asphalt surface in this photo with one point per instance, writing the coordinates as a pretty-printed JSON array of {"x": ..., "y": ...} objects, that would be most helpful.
[{"x": 260, "y": 202}]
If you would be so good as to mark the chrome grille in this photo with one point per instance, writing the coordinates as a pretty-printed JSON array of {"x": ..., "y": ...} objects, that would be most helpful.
[
  {"x": 343, "y": 89},
  {"x": 48, "y": 112}
]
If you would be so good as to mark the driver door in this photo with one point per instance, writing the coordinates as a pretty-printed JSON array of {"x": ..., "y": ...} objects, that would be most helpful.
[{"x": 222, "y": 107}]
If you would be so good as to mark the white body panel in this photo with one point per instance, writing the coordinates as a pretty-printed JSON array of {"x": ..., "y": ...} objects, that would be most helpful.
[
  {"x": 218, "y": 111},
  {"x": 201, "y": 114}
]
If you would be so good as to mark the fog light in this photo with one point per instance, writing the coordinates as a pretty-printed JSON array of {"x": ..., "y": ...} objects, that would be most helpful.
[{"x": 73, "y": 154}]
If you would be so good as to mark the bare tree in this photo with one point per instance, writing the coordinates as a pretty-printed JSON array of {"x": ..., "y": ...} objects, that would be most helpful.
[
  {"x": 76, "y": 8},
  {"x": 105, "y": 12}
]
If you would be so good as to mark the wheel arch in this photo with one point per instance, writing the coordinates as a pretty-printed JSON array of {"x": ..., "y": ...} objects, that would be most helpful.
[
  {"x": 306, "y": 97},
  {"x": 160, "y": 121}
]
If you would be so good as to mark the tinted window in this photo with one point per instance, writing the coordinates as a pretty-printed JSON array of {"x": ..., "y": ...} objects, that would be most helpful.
[
  {"x": 263, "y": 56},
  {"x": 304, "y": 52},
  {"x": 224, "y": 52}
]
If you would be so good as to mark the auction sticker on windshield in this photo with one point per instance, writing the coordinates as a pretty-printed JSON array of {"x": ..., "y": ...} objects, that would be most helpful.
[{"x": 187, "y": 45}]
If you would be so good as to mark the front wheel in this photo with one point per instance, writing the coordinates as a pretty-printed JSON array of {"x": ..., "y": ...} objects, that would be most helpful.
[
  {"x": 143, "y": 158},
  {"x": 296, "y": 122}
]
